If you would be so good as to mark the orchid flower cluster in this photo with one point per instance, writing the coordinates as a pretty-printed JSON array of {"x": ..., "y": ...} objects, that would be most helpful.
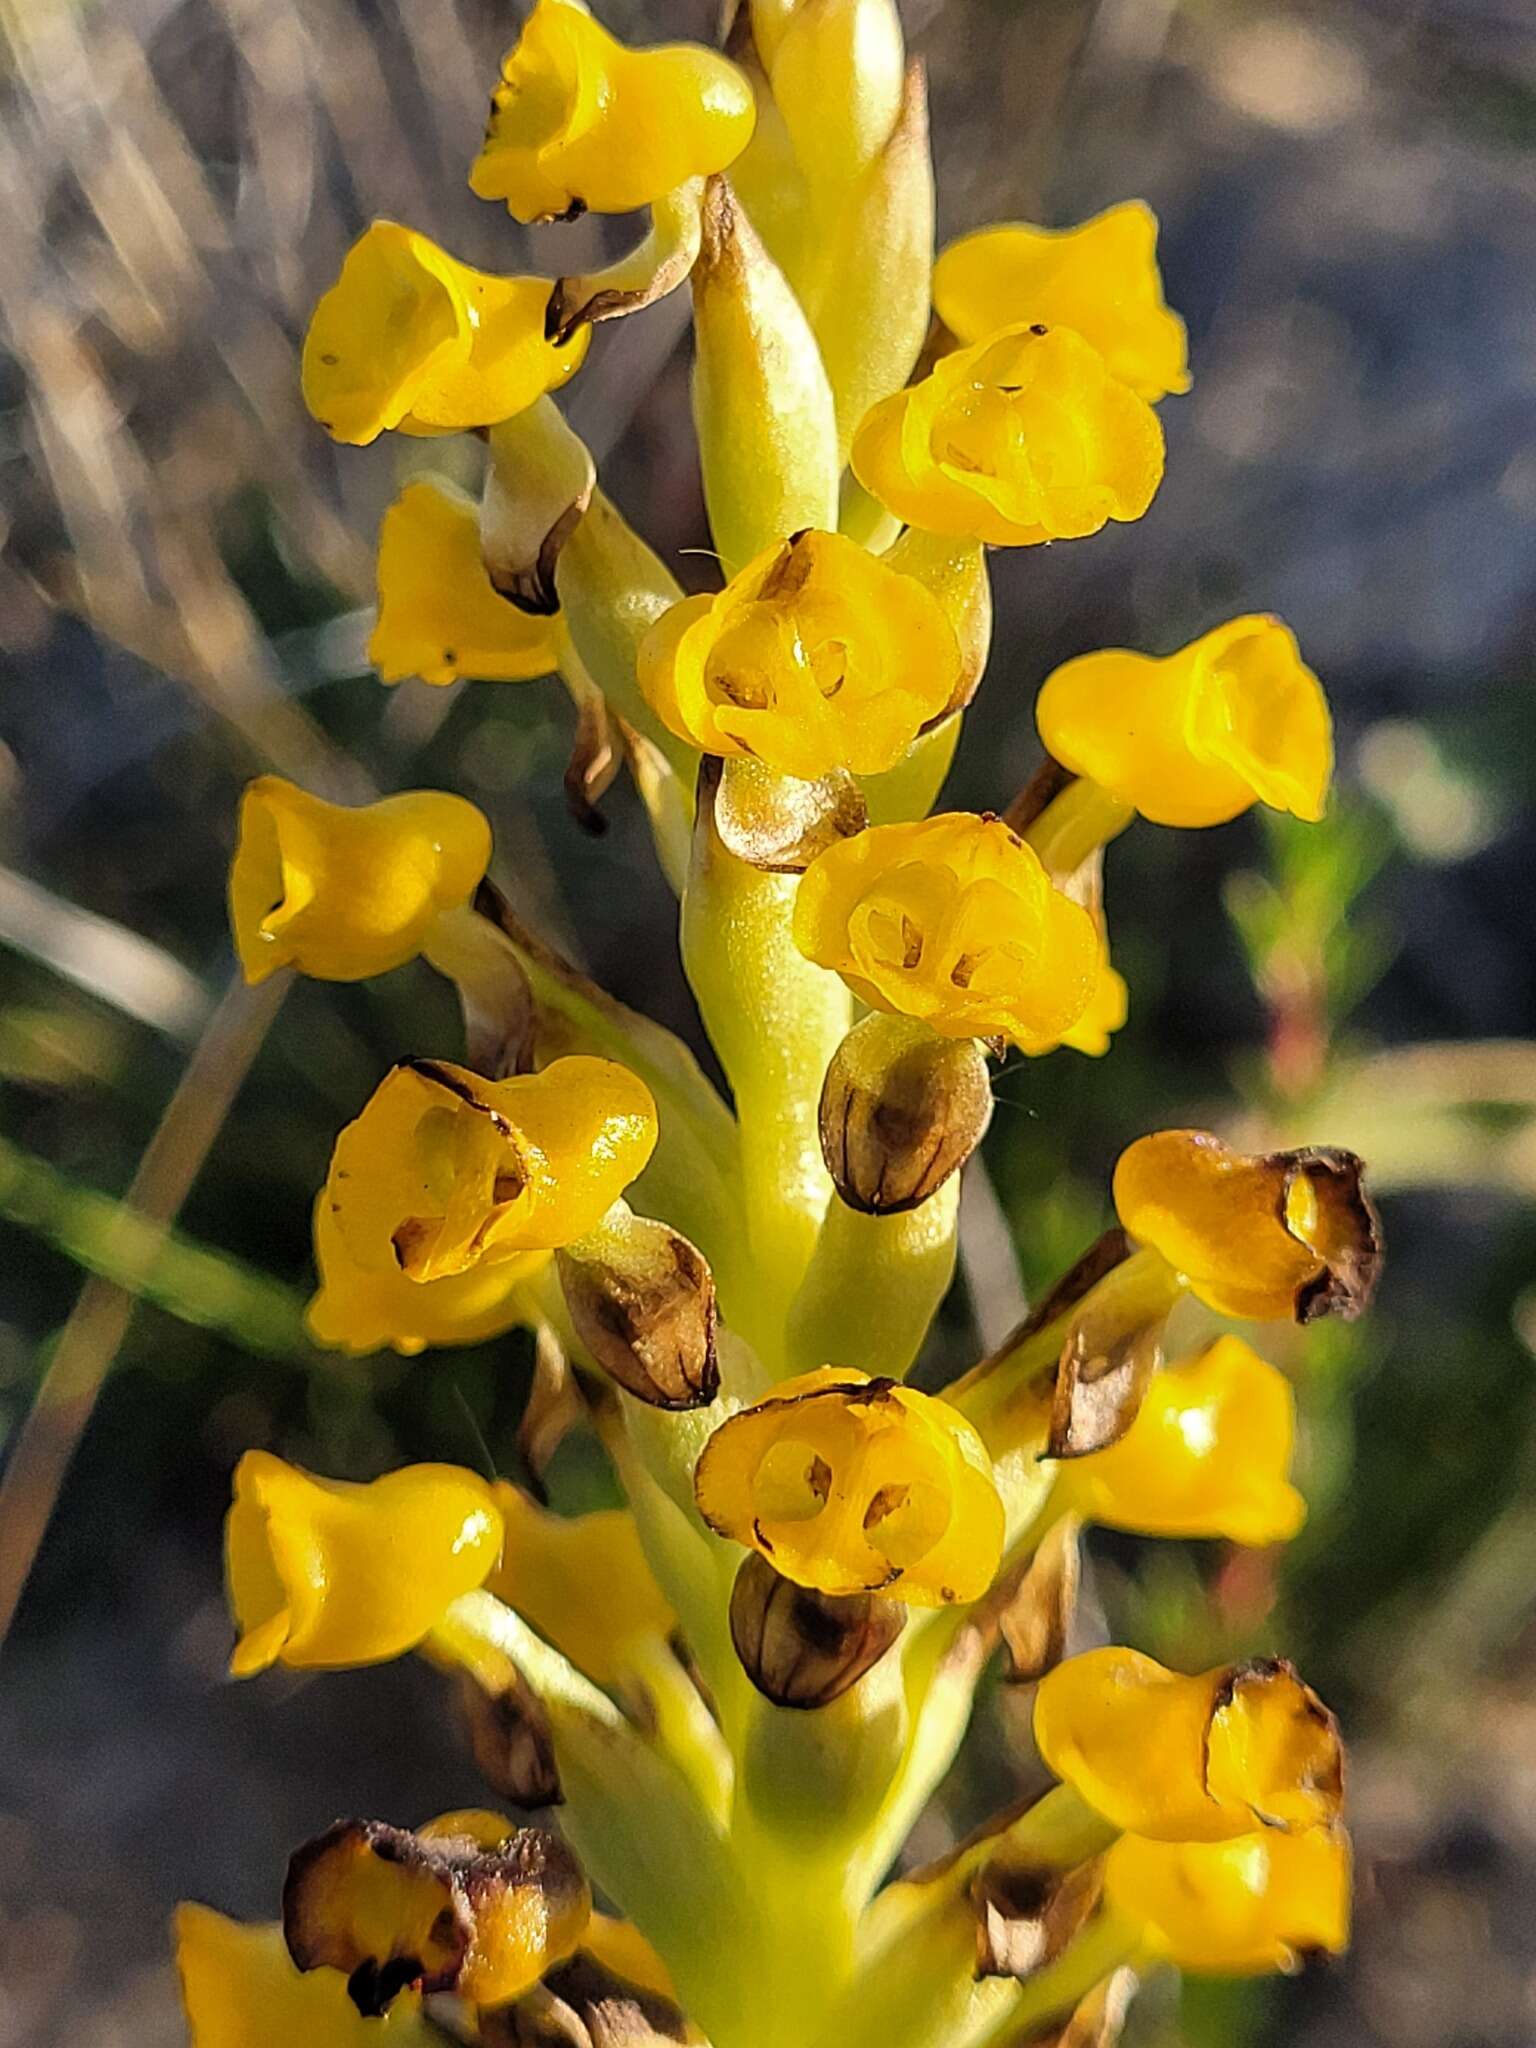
[{"x": 709, "y": 1720}]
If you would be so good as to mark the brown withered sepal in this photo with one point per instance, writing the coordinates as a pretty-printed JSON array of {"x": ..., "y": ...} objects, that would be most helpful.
[
  {"x": 1026, "y": 1914},
  {"x": 583, "y": 2005},
  {"x": 801, "y": 1648},
  {"x": 1102, "y": 1378},
  {"x": 594, "y": 763},
  {"x": 513, "y": 1749},
  {"x": 1348, "y": 1239},
  {"x": 901, "y": 1110},
  {"x": 644, "y": 1306},
  {"x": 1035, "y": 1613},
  {"x": 1098, "y": 2019}
]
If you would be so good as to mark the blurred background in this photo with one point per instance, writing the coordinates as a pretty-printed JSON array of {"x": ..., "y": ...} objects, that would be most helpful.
[{"x": 1348, "y": 193}]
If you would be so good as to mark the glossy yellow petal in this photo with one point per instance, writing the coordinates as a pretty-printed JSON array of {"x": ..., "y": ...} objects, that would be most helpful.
[
  {"x": 1234, "y": 718},
  {"x": 856, "y": 1485},
  {"x": 408, "y": 338},
  {"x": 1100, "y": 279},
  {"x": 1107, "y": 1010},
  {"x": 816, "y": 656},
  {"x": 323, "y": 1573},
  {"x": 620, "y": 1947},
  {"x": 952, "y": 920},
  {"x": 582, "y": 1580},
  {"x": 1024, "y": 437},
  {"x": 240, "y": 1988},
  {"x": 1190, "y": 1759},
  {"x": 1286, "y": 1235},
  {"x": 445, "y": 1172},
  {"x": 579, "y": 122},
  {"x": 363, "y": 1306},
  {"x": 1208, "y": 1455},
  {"x": 440, "y": 616},
  {"x": 1240, "y": 1908},
  {"x": 343, "y": 893}
]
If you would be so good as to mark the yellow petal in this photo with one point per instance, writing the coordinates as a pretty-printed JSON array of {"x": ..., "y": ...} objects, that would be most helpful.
[
  {"x": 364, "y": 1306},
  {"x": 241, "y": 1989},
  {"x": 1240, "y": 1908},
  {"x": 582, "y": 1580}
]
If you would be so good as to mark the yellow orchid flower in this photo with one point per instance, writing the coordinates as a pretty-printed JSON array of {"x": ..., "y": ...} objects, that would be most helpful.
[
  {"x": 952, "y": 920},
  {"x": 240, "y": 1988},
  {"x": 342, "y": 892},
  {"x": 1101, "y": 279},
  {"x": 365, "y": 1306},
  {"x": 1234, "y": 1909},
  {"x": 440, "y": 616},
  {"x": 1243, "y": 1746},
  {"x": 323, "y": 1574},
  {"x": 1022, "y": 438},
  {"x": 856, "y": 1485},
  {"x": 409, "y": 339},
  {"x": 1194, "y": 738},
  {"x": 1108, "y": 1008},
  {"x": 1209, "y": 1454},
  {"x": 582, "y": 1580},
  {"x": 816, "y": 656},
  {"x": 579, "y": 122},
  {"x": 1289, "y": 1235}
]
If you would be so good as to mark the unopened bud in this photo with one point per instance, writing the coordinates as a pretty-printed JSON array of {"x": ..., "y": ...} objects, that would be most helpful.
[
  {"x": 901, "y": 1110},
  {"x": 642, "y": 1300},
  {"x": 801, "y": 1648},
  {"x": 537, "y": 488}
]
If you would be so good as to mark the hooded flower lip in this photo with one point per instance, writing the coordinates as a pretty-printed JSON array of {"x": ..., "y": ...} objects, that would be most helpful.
[
  {"x": 1257, "y": 1903},
  {"x": 582, "y": 1580},
  {"x": 579, "y": 121},
  {"x": 1240, "y": 1747},
  {"x": 1208, "y": 1455},
  {"x": 323, "y": 1573},
  {"x": 409, "y": 339},
  {"x": 343, "y": 893},
  {"x": 1022, "y": 438},
  {"x": 816, "y": 656},
  {"x": 440, "y": 616},
  {"x": 241, "y": 1989},
  {"x": 1194, "y": 738},
  {"x": 1274, "y": 1237},
  {"x": 1100, "y": 278},
  {"x": 952, "y": 920},
  {"x": 444, "y": 1172},
  {"x": 848, "y": 1484}
]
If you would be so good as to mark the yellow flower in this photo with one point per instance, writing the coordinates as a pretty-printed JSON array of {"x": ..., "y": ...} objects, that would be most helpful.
[
  {"x": 815, "y": 656},
  {"x": 241, "y": 1989},
  {"x": 1024, "y": 437},
  {"x": 410, "y": 339},
  {"x": 578, "y": 121},
  {"x": 322, "y": 1573},
  {"x": 444, "y": 1172},
  {"x": 361, "y": 1307},
  {"x": 856, "y": 1485},
  {"x": 1108, "y": 1007},
  {"x": 952, "y": 920},
  {"x": 582, "y": 1580},
  {"x": 1286, "y": 1235},
  {"x": 1238, "y": 1908},
  {"x": 440, "y": 616},
  {"x": 469, "y": 1904},
  {"x": 1100, "y": 279},
  {"x": 1208, "y": 1455},
  {"x": 1234, "y": 718},
  {"x": 1190, "y": 1759},
  {"x": 343, "y": 893}
]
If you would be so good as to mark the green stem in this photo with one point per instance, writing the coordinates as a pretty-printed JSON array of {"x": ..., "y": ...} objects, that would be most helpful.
[
  {"x": 874, "y": 1284},
  {"x": 1076, "y": 823}
]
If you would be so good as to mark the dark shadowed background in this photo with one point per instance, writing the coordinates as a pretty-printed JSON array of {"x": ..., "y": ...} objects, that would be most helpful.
[{"x": 1348, "y": 194}]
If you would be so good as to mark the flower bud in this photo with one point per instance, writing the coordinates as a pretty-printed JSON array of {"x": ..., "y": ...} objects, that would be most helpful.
[
  {"x": 1100, "y": 279},
  {"x": 816, "y": 656},
  {"x": 1023, "y": 438},
  {"x": 1284, "y": 1235},
  {"x": 801, "y": 1648},
  {"x": 468, "y": 1904},
  {"x": 240, "y": 1989},
  {"x": 323, "y": 1574},
  {"x": 578, "y": 121},
  {"x": 1027, "y": 1913},
  {"x": 538, "y": 486},
  {"x": 848, "y": 1485},
  {"x": 440, "y": 616},
  {"x": 901, "y": 1110},
  {"x": 642, "y": 1300},
  {"x": 1195, "y": 738},
  {"x": 409, "y": 339},
  {"x": 836, "y": 68},
  {"x": 1208, "y": 1455},
  {"x": 951, "y": 920},
  {"x": 583, "y": 1582},
  {"x": 1239, "y": 1908},
  {"x": 1243, "y": 1746},
  {"x": 344, "y": 893}
]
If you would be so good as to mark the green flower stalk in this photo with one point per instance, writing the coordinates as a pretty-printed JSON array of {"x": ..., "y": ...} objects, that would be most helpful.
[{"x": 727, "y": 1703}]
